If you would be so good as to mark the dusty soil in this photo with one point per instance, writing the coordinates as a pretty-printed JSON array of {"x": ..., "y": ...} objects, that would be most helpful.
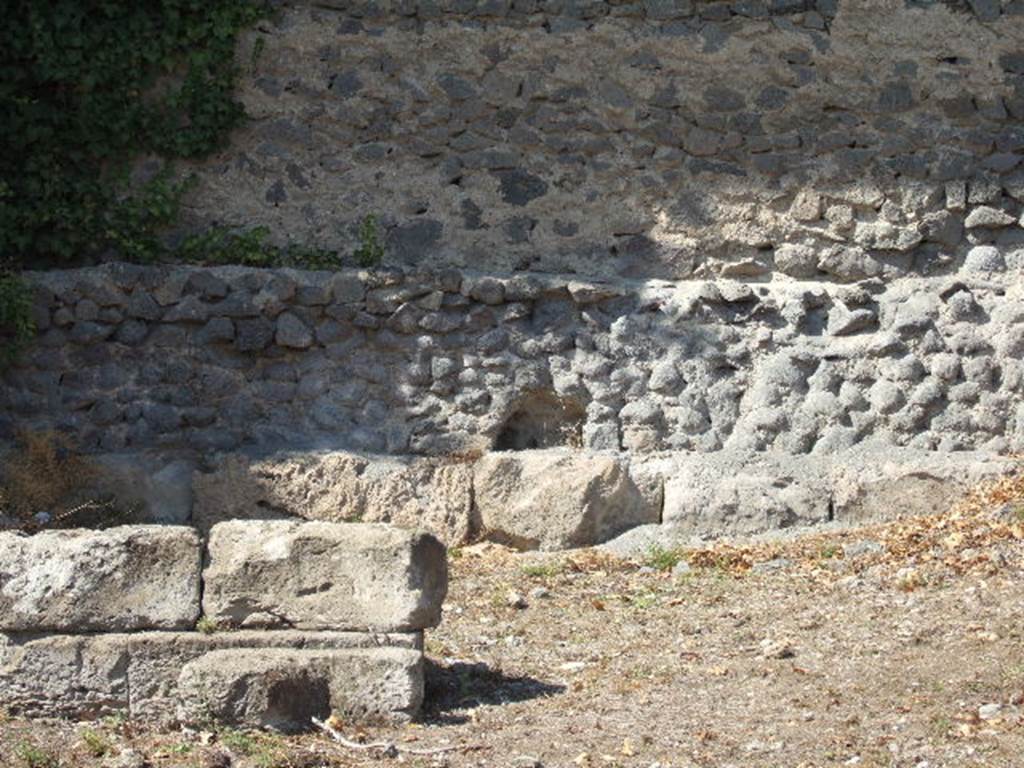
[{"x": 894, "y": 645}]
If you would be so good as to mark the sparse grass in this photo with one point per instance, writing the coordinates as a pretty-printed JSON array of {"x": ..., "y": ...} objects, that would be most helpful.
[
  {"x": 828, "y": 551},
  {"x": 265, "y": 750},
  {"x": 206, "y": 625},
  {"x": 96, "y": 743},
  {"x": 662, "y": 559},
  {"x": 543, "y": 570},
  {"x": 46, "y": 483},
  {"x": 644, "y": 600},
  {"x": 32, "y": 756}
]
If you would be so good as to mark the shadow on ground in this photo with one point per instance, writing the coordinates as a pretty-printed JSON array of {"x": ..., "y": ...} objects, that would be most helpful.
[{"x": 459, "y": 686}]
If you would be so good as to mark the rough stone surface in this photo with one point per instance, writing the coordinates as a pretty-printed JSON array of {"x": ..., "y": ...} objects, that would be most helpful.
[
  {"x": 89, "y": 676},
  {"x": 557, "y": 500},
  {"x": 790, "y": 366},
  {"x": 317, "y": 575},
  {"x": 125, "y": 578},
  {"x": 283, "y": 688},
  {"x": 339, "y": 486},
  {"x": 653, "y": 139},
  {"x": 743, "y": 493}
]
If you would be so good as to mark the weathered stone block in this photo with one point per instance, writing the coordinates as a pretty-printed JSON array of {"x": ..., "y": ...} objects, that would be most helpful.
[
  {"x": 316, "y": 575},
  {"x": 283, "y": 689},
  {"x": 727, "y": 493},
  {"x": 157, "y": 658},
  {"x": 339, "y": 486},
  {"x": 881, "y": 485},
  {"x": 125, "y": 578},
  {"x": 64, "y": 675},
  {"x": 554, "y": 499},
  {"x": 88, "y": 676}
]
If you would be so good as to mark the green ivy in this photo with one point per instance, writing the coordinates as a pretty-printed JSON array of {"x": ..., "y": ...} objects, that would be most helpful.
[
  {"x": 371, "y": 251},
  {"x": 16, "y": 326},
  {"x": 86, "y": 88}
]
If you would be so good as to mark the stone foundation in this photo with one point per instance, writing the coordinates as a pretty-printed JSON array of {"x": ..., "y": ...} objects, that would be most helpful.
[{"x": 276, "y": 677}]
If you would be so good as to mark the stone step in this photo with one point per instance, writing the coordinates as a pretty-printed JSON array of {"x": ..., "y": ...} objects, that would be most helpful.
[
  {"x": 319, "y": 575},
  {"x": 283, "y": 689},
  {"x": 90, "y": 676},
  {"x": 119, "y": 579}
]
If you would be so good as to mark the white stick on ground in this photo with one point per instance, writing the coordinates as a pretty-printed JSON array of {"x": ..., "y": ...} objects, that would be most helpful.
[{"x": 389, "y": 748}]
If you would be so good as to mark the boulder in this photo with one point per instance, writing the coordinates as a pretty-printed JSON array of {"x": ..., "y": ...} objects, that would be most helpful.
[
  {"x": 119, "y": 579},
  {"x": 339, "y": 486},
  {"x": 284, "y": 689},
  {"x": 318, "y": 575},
  {"x": 558, "y": 499}
]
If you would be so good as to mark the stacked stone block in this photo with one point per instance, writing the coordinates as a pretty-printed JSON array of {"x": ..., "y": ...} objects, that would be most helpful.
[{"x": 98, "y": 622}]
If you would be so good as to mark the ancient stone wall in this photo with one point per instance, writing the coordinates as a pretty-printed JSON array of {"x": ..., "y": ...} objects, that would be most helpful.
[
  {"x": 201, "y": 360},
  {"x": 754, "y": 249},
  {"x": 830, "y": 140}
]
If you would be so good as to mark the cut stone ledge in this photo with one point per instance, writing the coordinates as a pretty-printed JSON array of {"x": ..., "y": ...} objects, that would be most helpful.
[
  {"x": 120, "y": 579},
  {"x": 318, "y": 575},
  {"x": 91, "y": 676}
]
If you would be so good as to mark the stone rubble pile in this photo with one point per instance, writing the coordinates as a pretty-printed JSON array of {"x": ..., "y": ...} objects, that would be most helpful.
[{"x": 298, "y": 620}]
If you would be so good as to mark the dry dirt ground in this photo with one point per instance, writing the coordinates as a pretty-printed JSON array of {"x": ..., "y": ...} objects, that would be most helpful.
[{"x": 894, "y": 645}]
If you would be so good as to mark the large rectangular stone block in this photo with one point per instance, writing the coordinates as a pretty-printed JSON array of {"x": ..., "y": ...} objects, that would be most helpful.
[
  {"x": 559, "y": 499},
  {"x": 157, "y": 658},
  {"x": 316, "y": 575},
  {"x": 89, "y": 676},
  {"x": 80, "y": 676},
  {"x": 283, "y": 688},
  {"x": 120, "y": 579}
]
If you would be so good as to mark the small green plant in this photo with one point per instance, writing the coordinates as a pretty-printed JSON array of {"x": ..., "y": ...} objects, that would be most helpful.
[
  {"x": 16, "y": 326},
  {"x": 542, "y": 570},
  {"x": 97, "y": 744},
  {"x": 32, "y": 756},
  {"x": 265, "y": 750},
  {"x": 829, "y": 551},
  {"x": 644, "y": 600},
  {"x": 370, "y": 252},
  {"x": 661, "y": 559},
  {"x": 206, "y": 625}
]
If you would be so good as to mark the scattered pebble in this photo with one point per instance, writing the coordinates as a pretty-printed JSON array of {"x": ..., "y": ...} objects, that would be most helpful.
[
  {"x": 990, "y": 711},
  {"x": 538, "y": 593},
  {"x": 682, "y": 568},
  {"x": 862, "y": 548},
  {"x": 770, "y": 566}
]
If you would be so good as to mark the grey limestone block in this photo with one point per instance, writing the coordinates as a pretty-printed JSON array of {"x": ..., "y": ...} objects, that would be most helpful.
[
  {"x": 321, "y": 575},
  {"x": 119, "y": 579}
]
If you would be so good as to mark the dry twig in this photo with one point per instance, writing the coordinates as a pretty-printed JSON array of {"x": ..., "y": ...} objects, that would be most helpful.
[{"x": 388, "y": 748}]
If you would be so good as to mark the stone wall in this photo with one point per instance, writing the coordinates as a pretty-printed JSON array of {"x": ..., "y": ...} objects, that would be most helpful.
[
  {"x": 441, "y": 363},
  {"x": 94, "y": 623},
  {"x": 829, "y": 140},
  {"x": 751, "y": 248}
]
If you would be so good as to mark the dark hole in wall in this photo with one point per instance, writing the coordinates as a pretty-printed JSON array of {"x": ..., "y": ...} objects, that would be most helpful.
[
  {"x": 542, "y": 420},
  {"x": 292, "y": 702}
]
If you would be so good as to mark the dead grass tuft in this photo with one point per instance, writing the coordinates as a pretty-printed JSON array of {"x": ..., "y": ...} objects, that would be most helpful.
[{"x": 45, "y": 473}]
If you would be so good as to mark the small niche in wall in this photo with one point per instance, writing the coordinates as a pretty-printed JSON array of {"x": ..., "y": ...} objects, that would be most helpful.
[{"x": 542, "y": 420}]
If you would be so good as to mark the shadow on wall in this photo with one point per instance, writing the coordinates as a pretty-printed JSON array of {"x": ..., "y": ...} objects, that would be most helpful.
[{"x": 688, "y": 139}]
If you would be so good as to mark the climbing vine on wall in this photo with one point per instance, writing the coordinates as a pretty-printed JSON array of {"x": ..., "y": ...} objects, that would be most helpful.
[{"x": 87, "y": 88}]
